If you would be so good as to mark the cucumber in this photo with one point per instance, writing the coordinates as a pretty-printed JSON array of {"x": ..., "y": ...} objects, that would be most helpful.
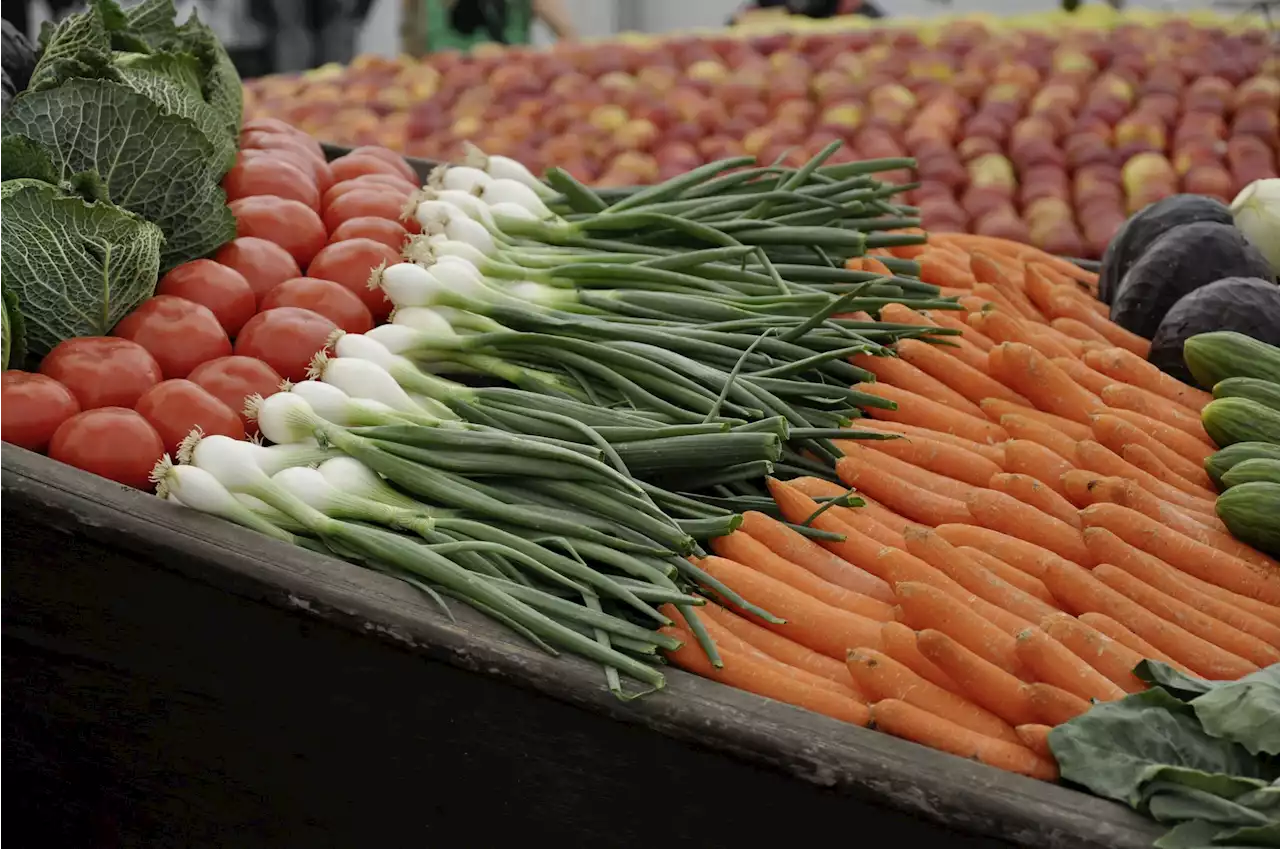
[
  {"x": 1258, "y": 469},
  {"x": 1220, "y": 462},
  {"x": 1263, "y": 391},
  {"x": 1214, "y": 357},
  {"x": 1232, "y": 420},
  {"x": 1249, "y": 511}
]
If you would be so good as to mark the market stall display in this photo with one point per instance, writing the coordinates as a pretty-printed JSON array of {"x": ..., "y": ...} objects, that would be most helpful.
[{"x": 751, "y": 421}]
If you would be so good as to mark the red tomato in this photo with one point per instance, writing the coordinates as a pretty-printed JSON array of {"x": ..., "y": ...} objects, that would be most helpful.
[
  {"x": 176, "y": 407},
  {"x": 332, "y": 300},
  {"x": 102, "y": 371},
  {"x": 271, "y": 175},
  {"x": 367, "y": 203},
  {"x": 264, "y": 264},
  {"x": 285, "y": 338},
  {"x": 303, "y": 146},
  {"x": 355, "y": 164},
  {"x": 389, "y": 156},
  {"x": 113, "y": 442},
  {"x": 32, "y": 406},
  {"x": 383, "y": 182},
  {"x": 297, "y": 159},
  {"x": 221, "y": 288},
  {"x": 275, "y": 125},
  {"x": 180, "y": 334},
  {"x": 351, "y": 263},
  {"x": 292, "y": 225},
  {"x": 388, "y": 232},
  {"x": 233, "y": 379}
]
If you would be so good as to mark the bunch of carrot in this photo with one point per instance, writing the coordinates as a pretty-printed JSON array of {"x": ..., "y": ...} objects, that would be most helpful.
[{"x": 1044, "y": 524}]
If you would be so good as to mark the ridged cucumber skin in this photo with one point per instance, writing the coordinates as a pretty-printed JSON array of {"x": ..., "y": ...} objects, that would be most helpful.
[
  {"x": 1219, "y": 462},
  {"x": 1232, "y": 420},
  {"x": 1249, "y": 511},
  {"x": 1249, "y": 471},
  {"x": 1263, "y": 391},
  {"x": 1214, "y": 357}
]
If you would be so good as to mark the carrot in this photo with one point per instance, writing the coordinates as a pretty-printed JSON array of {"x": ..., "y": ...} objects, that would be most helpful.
[
  {"x": 862, "y": 518},
  {"x": 919, "y": 726},
  {"x": 728, "y": 641},
  {"x": 1001, "y": 326},
  {"x": 1143, "y": 458},
  {"x": 1153, "y": 406},
  {"x": 997, "y": 409},
  {"x": 776, "y": 646},
  {"x": 1018, "y": 553},
  {"x": 1065, "y": 307},
  {"x": 1185, "y": 616},
  {"x": 1048, "y": 387},
  {"x": 1080, "y": 486},
  {"x": 1190, "y": 447},
  {"x": 1053, "y": 663},
  {"x": 1097, "y": 458},
  {"x": 803, "y": 551},
  {"x": 882, "y": 677},
  {"x": 917, "y": 410},
  {"x": 969, "y": 346},
  {"x": 1028, "y": 584},
  {"x": 1000, "y": 299},
  {"x": 1081, "y": 592},
  {"x": 899, "y": 373},
  {"x": 764, "y": 679},
  {"x": 1036, "y": 738},
  {"x": 941, "y": 458},
  {"x": 1185, "y": 554},
  {"x": 744, "y": 549},
  {"x": 1037, "y": 494},
  {"x": 1040, "y": 287},
  {"x": 1024, "y": 457},
  {"x": 1109, "y": 627},
  {"x": 1115, "y": 433},
  {"x": 904, "y": 470},
  {"x": 1104, "y": 654},
  {"x": 917, "y": 504},
  {"x": 984, "y": 683},
  {"x": 1077, "y": 329},
  {"x": 1124, "y": 366},
  {"x": 925, "y": 606},
  {"x": 1008, "y": 515},
  {"x": 883, "y": 516},
  {"x": 810, "y": 622},
  {"x": 971, "y": 383},
  {"x": 1017, "y": 250},
  {"x": 938, "y": 270},
  {"x": 1128, "y": 493},
  {"x": 988, "y": 272},
  {"x": 901, "y": 567},
  {"x": 974, "y": 577},
  {"x": 994, "y": 453},
  {"x": 1079, "y": 372},
  {"x": 1252, "y": 617},
  {"x": 900, "y": 643},
  {"x": 870, "y": 263},
  {"x": 1019, "y": 426},
  {"x": 796, "y": 507},
  {"x": 1054, "y": 705}
]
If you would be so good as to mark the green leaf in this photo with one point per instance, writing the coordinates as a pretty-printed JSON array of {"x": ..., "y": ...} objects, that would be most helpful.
[
  {"x": 76, "y": 38},
  {"x": 1250, "y": 836},
  {"x": 156, "y": 164},
  {"x": 15, "y": 331},
  {"x": 1179, "y": 684},
  {"x": 75, "y": 268},
  {"x": 1175, "y": 794},
  {"x": 222, "y": 88},
  {"x": 23, "y": 157},
  {"x": 153, "y": 22},
  {"x": 1117, "y": 746},
  {"x": 173, "y": 81},
  {"x": 1246, "y": 711}
]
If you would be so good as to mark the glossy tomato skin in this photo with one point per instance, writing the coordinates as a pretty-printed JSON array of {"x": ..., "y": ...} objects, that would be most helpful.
[
  {"x": 176, "y": 407},
  {"x": 381, "y": 182},
  {"x": 233, "y": 379},
  {"x": 271, "y": 176},
  {"x": 355, "y": 164},
  {"x": 285, "y": 338},
  {"x": 113, "y": 442},
  {"x": 180, "y": 334},
  {"x": 304, "y": 146},
  {"x": 389, "y": 233},
  {"x": 32, "y": 406},
  {"x": 275, "y": 125},
  {"x": 351, "y": 263},
  {"x": 392, "y": 158},
  {"x": 263, "y": 264},
  {"x": 367, "y": 203},
  {"x": 292, "y": 225},
  {"x": 332, "y": 300},
  {"x": 102, "y": 371},
  {"x": 221, "y": 288}
]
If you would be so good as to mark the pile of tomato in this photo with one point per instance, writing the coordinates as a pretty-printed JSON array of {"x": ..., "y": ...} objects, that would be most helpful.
[{"x": 309, "y": 234}]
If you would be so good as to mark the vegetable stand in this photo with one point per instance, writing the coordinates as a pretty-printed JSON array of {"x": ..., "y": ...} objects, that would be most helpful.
[{"x": 171, "y": 679}]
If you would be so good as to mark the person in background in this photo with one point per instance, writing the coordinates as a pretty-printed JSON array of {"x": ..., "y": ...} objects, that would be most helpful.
[
  {"x": 429, "y": 26},
  {"x": 817, "y": 8},
  {"x": 302, "y": 34}
]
